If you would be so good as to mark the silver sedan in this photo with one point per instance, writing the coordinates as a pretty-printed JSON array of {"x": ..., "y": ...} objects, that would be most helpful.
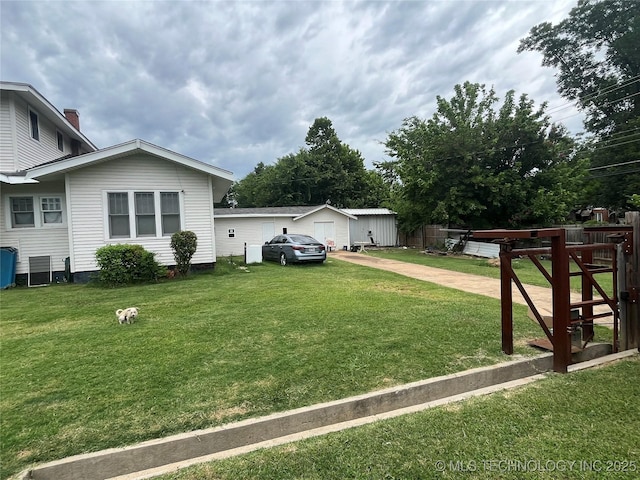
[{"x": 294, "y": 248}]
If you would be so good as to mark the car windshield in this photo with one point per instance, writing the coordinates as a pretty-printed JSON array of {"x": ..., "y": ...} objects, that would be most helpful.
[{"x": 303, "y": 239}]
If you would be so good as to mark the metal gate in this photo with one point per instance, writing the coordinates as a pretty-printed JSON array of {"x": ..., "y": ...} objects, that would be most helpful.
[{"x": 572, "y": 322}]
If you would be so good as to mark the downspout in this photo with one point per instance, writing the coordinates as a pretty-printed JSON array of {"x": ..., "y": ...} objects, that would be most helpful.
[
  {"x": 67, "y": 194},
  {"x": 214, "y": 256}
]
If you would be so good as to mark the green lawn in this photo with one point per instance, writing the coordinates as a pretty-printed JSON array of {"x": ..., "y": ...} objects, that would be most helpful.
[
  {"x": 219, "y": 347},
  {"x": 583, "y": 425},
  {"x": 223, "y": 346},
  {"x": 524, "y": 268}
]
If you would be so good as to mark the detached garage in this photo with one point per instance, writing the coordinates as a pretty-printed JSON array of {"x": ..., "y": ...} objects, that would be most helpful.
[{"x": 235, "y": 227}]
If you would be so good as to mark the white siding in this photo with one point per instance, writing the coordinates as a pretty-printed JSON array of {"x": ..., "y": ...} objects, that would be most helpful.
[
  {"x": 137, "y": 173},
  {"x": 246, "y": 230},
  {"x": 51, "y": 240},
  {"x": 249, "y": 230},
  {"x": 34, "y": 152},
  {"x": 7, "y": 134},
  {"x": 341, "y": 226}
]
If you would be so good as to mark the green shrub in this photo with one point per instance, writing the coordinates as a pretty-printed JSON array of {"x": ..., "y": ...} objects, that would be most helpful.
[
  {"x": 125, "y": 264},
  {"x": 184, "y": 244}
]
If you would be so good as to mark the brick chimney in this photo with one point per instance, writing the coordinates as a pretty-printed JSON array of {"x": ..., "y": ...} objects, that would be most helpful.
[{"x": 73, "y": 116}]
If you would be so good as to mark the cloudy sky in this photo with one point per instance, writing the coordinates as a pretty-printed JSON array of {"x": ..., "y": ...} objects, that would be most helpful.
[{"x": 234, "y": 83}]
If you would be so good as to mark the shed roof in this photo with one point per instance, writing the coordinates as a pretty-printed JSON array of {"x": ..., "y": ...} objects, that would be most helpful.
[
  {"x": 294, "y": 212},
  {"x": 369, "y": 211}
]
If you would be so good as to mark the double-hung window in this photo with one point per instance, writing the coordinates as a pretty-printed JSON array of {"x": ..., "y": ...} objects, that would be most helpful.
[
  {"x": 119, "y": 215},
  {"x": 22, "y": 213},
  {"x": 170, "y": 208},
  {"x": 144, "y": 213},
  {"x": 36, "y": 211},
  {"x": 51, "y": 210}
]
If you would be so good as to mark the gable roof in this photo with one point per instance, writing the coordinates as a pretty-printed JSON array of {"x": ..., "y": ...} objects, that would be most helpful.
[
  {"x": 222, "y": 179},
  {"x": 296, "y": 213},
  {"x": 33, "y": 98}
]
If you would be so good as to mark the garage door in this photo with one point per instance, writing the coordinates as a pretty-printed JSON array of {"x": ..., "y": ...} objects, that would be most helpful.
[
  {"x": 325, "y": 232},
  {"x": 268, "y": 231}
]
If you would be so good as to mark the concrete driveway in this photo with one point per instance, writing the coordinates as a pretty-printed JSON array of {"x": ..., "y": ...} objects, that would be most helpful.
[{"x": 489, "y": 287}]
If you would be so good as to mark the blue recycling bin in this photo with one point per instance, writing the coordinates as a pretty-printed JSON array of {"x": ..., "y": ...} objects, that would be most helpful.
[{"x": 8, "y": 258}]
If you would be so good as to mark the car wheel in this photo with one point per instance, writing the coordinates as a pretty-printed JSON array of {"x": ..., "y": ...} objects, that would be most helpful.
[{"x": 283, "y": 259}]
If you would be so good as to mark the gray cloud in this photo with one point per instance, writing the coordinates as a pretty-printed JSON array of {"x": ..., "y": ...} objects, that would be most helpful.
[{"x": 235, "y": 83}]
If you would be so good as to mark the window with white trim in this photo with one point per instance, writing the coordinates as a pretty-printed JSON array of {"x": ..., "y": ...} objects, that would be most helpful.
[
  {"x": 34, "y": 125},
  {"x": 22, "y": 213},
  {"x": 146, "y": 214},
  {"x": 51, "y": 210},
  {"x": 119, "y": 215},
  {"x": 32, "y": 211},
  {"x": 170, "y": 208}
]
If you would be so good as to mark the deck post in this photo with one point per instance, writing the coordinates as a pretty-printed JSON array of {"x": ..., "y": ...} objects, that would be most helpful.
[
  {"x": 561, "y": 303},
  {"x": 506, "y": 299}
]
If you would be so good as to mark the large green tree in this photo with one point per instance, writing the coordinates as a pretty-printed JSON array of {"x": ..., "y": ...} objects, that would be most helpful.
[
  {"x": 597, "y": 53},
  {"x": 477, "y": 166},
  {"x": 327, "y": 171}
]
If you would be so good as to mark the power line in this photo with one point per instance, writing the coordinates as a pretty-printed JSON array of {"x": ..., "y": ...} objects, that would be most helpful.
[
  {"x": 612, "y": 88},
  {"x": 606, "y": 103},
  {"x": 602, "y": 147},
  {"x": 614, "y": 165},
  {"x": 593, "y": 96},
  {"x": 626, "y": 133},
  {"x": 612, "y": 174}
]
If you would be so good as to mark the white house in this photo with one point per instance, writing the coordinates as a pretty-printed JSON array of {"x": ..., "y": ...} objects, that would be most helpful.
[
  {"x": 62, "y": 198},
  {"x": 237, "y": 227}
]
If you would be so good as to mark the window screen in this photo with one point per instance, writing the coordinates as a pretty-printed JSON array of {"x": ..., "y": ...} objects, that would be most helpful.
[
  {"x": 119, "y": 215},
  {"x": 170, "y": 208},
  {"x": 22, "y": 212},
  {"x": 51, "y": 208},
  {"x": 145, "y": 214}
]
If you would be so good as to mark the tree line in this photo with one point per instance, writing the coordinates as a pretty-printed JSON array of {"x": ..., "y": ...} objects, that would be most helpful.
[{"x": 481, "y": 161}]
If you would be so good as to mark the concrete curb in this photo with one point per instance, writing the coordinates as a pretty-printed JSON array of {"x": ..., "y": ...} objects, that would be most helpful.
[{"x": 168, "y": 454}]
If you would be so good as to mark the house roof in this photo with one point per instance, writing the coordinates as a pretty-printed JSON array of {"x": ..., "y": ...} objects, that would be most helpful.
[
  {"x": 292, "y": 212},
  {"x": 13, "y": 178},
  {"x": 222, "y": 178},
  {"x": 32, "y": 97},
  {"x": 369, "y": 211}
]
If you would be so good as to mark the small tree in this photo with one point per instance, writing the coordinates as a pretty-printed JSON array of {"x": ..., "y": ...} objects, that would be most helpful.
[{"x": 184, "y": 244}]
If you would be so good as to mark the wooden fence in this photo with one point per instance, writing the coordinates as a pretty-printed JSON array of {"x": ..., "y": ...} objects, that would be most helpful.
[
  {"x": 575, "y": 234},
  {"x": 423, "y": 237},
  {"x": 435, "y": 236}
]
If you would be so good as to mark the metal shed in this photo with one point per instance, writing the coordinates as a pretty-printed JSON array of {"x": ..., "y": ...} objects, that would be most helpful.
[{"x": 381, "y": 222}]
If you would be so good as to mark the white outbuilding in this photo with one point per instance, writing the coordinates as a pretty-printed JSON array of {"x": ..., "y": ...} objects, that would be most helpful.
[{"x": 237, "y": 228}]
